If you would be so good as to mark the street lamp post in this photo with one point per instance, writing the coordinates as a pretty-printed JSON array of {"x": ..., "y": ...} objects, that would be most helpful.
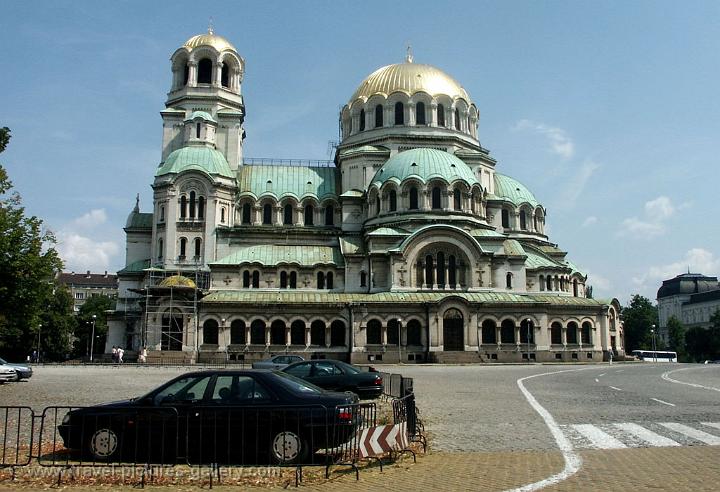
[
  {"x": 92, "y": 338},
  {"x": 528, "y": 321},
  {"x": 652, "y": 332},
  {"x": 37, "y": 356}
]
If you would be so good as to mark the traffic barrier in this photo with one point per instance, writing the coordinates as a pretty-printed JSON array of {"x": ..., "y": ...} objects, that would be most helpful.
[{"x": 16, "y": 430}]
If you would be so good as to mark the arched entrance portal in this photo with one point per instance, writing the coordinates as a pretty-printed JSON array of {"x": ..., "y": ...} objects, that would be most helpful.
[
  {"x": 171, "y": 337},
  {"x": 453, "y": 331}
]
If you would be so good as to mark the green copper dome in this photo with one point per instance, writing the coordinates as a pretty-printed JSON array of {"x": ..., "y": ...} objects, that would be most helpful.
[
  {"x": 514, "y": 191},
  {"x": 424, "y": 165},
  {"x": 196, "y": 158}
]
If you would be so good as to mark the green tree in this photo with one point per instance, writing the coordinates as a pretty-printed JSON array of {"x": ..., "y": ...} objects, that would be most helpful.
[
  {"x": 58, "y": 325},
  {"x": 28, "y": 265},
  {"x": 93, "y": 306},
  {"x": 676, "y": 338},
  {"x": 697, "y": 342},
  {"x": 638, "y": 319}
]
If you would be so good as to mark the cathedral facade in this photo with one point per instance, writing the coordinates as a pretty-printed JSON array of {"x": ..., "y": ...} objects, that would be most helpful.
[{"x": 409, "y": 246}]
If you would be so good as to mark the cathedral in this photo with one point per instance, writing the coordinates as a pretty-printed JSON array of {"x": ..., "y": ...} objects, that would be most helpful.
[{"x": 408, "y": 247}]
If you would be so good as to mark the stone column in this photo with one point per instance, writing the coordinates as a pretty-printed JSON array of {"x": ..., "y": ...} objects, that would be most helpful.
[
  {"x": 327, "y": 336},
  {"x": 300, "y": 216},
  {"x": 192, "y": 74},
  {"x": 307, "y": 336},
  {"x": 447, "y": 276},
  {"x": 247, "y": 334},
  {"x": 411, "y": 114},
  {"x": 383, "y": 331},
  {"x": 433, "y": 114},
  {"x": 563, "y": 331},
  {"x": 498, "y": 338},
  {"x": 217, "y": 74},
  {"x": 267, "y": 335},
  {"x": 287, "y": 330}
]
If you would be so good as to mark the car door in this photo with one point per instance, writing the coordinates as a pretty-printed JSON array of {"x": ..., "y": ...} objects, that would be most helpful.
[
  {"x": 280, "y": 361},
  {"x": 326, "y": 375}
]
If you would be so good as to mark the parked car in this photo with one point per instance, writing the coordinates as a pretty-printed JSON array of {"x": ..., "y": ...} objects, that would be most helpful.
[
  {"x": 338, "y": 376},
  {"x": 225, "y": 417},
  {"x": 277, "y": 362},
  {"x": 21, "y": 371},
  {"x": 7, "y": 373}
]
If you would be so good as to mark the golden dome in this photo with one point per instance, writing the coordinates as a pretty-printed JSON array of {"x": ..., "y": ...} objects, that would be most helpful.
[
  {"x": 177, "y": 281},
  {"x": 209, "y": 39},
  {"x": 410, "y": 78}
]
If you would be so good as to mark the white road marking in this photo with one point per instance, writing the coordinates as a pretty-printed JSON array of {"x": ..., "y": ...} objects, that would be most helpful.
[
  {"x": 698, "y": 435},
  {"x": 573, "y": 461},
  {"x": 597, "y": 380},
  {"x": 599, "y": 439},
  {"x": 714, "y": 425},
  {"x": 646, "y": 435},
  {"x": 616, "y": 389},
  {"x": 663, "y": 402},
  {"x": 601, "y": 375},
  {"x": 666, "y": 377},
  {"x": 620, "y": 370}
]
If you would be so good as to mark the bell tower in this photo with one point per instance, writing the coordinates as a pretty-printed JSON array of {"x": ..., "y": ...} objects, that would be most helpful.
[{"x": 207, "y": 74}]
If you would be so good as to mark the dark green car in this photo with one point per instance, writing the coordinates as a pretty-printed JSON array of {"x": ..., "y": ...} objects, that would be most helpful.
[{"x": 335, "y": 375}]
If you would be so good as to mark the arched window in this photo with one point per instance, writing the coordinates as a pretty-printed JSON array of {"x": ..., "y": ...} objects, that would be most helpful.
[
  {"x": 507, "y": 331},
  {"x": 160, "y": 249},
  {"x": 572, "y": 333},
  {"x": 586, "y": 333},
  {"x": 257, "y": 332},
  {"x": 556, "y": 333},
  {"x": 183, "y": 207},
  {"x": 457, "y": 119},
  {"x": 329, "y": 280},
  {"x": 527, "y": 331},
  {"x": 377, "y": 205},
  {"x": 363, "y": 279},
  {"x": 399, "y": 113},
  {"x": 222, "y": 215},
  {"x": 452, "y": 272},
  {"x": 246, "y": 213},
  {"x": 329, "y": 215},
  {"x": 288, "y": 214},
  {"x": 197, "y": 130},
  {"x": 317, "y": 333},
  {"x": 374, "y": 332},
  {"x": 575, "y": 287},
  {"x": 183, "y": 247},
  {"x": 523, "y": 220},
  {"x": 541, "y": 282},
  {"x": 505, "y": 218},
  {"x": 225, "y": 76},
  {"x": 429, "y": 267},
  {"x": 293, "y": 280},
  {"x": 246, "y": 278},
  {"x": 297, "y": 333},
  {"x": 337, "y": 334},
  {"x": 283, "y": 280},
  {"x": 256, "y": 279},
  {"x": 441, "y": 269},
  {"x": 393, "y": 332},
  {"x": 378, "y": 116},
  {"x": 457, "y": 199},
  {"x": 309, "y": 213},
  {"x": 192, "y": 204},
  {"x": 201, "y": 208},
  {"x": 237, "y": 332},
  {"x": 204, "y": 71},
  {"x": 413, "y": 198},
  {"x": 548, "y": 283},
  {"x": 362, "y": 120},
  {"x": 420, "y": 113},
  {"x": 198, "y": 244},
  {"x": 489, "y": 331},
  {"x": 210, "y": 332},
  {"x": 393, "y": 200},
  {"x": 277, "y": 333},
  {"x": 436, "y": 203},
  {"x": 441, "y": 115},
  {"x": 267, "y": 214},
  {"x": 414, "y": 333},
  {"x": 162, "y": 214},
  {"x": 186, "y": 74},
  {"x": 320, "y": 280},
  {"x": 508, "y": 280}
]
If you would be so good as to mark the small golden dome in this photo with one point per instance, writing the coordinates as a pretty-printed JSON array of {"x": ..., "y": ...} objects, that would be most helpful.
[
  {"x": 410, "y": 78},
  {"x": 209, "y": 39},
  {"x": 177, "y": 281}
]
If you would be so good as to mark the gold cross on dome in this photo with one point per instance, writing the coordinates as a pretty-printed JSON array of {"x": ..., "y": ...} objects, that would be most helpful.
[{"x": 409, "y": 54}]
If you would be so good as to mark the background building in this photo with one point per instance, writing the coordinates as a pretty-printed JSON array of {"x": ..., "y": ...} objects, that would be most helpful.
[
  {"x": 408, "y": 246},
  {"x": 82, "y": 286},
  {"x": 691, "y": 297}
]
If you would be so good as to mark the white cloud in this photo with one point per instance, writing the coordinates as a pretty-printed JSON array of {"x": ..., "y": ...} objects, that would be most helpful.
[
  {"x": 598, "y": 281},
  {"x": 657, "y": 212},
  {"x": 592, "y": 220},
  {"x": 575, "y": 186},
  {"x": 697, "y": 260},
  {"x": 560, "y": 143},
  {"x": 79, "y": 248}
]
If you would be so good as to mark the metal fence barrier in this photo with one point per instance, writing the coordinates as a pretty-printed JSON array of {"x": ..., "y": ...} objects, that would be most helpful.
[{"x": 16, "y": 431}]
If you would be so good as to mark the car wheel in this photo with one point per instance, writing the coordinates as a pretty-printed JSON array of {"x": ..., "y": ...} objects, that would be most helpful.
[
  {"x": 104, "y": 444},
  {"x": 288, "y": 447}
]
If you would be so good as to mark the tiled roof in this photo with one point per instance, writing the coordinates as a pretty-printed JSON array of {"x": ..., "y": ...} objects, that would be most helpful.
[
  {"x": 135, "y": 267},
  {"x": 251, "y": 296},
  {"x": 88, "y": 279},
  {"x": 196, "y": 158},
  {"x": 139, "y": 220},
  {"x": 281, "y": 181},
  {"x": 270, "y": 255},
  {"x": 424, "y": 165},
  {"x": 514, "y": 191}
]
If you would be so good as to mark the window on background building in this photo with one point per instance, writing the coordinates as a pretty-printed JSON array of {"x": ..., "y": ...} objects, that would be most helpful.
[
  {"x": 436, "y": 194},
  {"x": 457, "y": 203},
  {"x": 267, "y": 214},
  {"x": 399, "y": 114},
  {"x": 374, "y": 332},
  {"x": 505, "y": 218},
  {"x": 183, "y": 207},
  {"x": 393, "y": 200},
  {"x": 413, "y": 198},
  {"x": 378, "y": 116},
  {"x": 293, "y": 280},
  {"x": 363, "y": 279},
  {"x": 222, "y": 215},
  {"x": 320, "y": 280},
  {"x": 183, "y": 247},
  {"x": 457, "y": 119},
  {"x": 309, "y": 215},
  {"x": 201, "y": 208},
  {"x": 508, "y": 280},
  {"x": 162, "y": 214},
  {"x": 225, "y": 76},
  {"x": 420, "y": 113},
  {"x": 246, "y": 279},
  {"x": 362, "y": 120},
  {"x": 256, "y": 279},
  {"x": 288, "y": 214},
  {"x": 205, "y": 71},
  {"x": 160, "y": 249},
  {"x": 329, "y": 215},
  {"x": 329, "y": 280},
  {"x": 246, "y": 213},
  {"x": 192, "y": 204},
  {"x": 197, "y": 130},
  {"x": 198, "y": 243},
  {"x": 283, "y": 280},
  {"x": 523, "y": 220},
  {"x": 210, "y": 332}
]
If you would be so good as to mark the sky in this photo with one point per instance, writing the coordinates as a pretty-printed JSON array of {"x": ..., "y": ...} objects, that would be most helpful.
[{"x": 607, "y": 110}]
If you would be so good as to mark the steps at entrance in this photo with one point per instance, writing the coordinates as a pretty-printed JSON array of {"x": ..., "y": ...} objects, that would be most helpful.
[
  {"x": 169, "y": 357},
  {"x": 455, "y": 357}
]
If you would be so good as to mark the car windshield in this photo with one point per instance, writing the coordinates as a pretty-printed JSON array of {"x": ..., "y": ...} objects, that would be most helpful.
[
  {"x": 296, "y": 384},
  {"x": 348, "y": 368},
  {"x": 2, "y": 361}
]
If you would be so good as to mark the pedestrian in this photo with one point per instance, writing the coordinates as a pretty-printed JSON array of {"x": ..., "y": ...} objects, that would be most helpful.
[
  {"x": 120, "y": 353},
  {"x": 114, "y": 354},
  {"x": 143, "y": 356}
]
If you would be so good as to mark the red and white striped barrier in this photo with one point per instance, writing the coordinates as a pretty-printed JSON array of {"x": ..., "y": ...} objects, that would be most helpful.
[{"x": 376, "y": 441}]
